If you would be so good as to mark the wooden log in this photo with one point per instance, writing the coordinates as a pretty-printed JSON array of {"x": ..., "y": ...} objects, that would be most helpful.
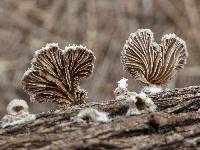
[{"x": 175, "y": 126}]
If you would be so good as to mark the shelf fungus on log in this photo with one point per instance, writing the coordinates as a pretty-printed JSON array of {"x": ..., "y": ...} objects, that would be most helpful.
[
  {"x": 151, "y": 63},
  {"x": 55, "y": 74}
]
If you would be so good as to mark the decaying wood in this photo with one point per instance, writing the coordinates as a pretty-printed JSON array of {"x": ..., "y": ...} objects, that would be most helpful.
[{"x": 175, "y": 126}]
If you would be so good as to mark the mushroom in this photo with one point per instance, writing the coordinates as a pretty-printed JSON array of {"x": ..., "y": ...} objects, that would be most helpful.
[
  {"x": 151, "y": 63},
  {"x": 17, "y": 113},
  {"x": 55, "y": 74}
]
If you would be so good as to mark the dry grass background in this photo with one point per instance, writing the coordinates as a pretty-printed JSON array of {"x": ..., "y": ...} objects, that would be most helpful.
[{"x": 101, "y": 25}]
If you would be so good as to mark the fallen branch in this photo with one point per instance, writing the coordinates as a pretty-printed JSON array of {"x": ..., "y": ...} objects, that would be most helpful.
[{"x": 176, "y": 126}]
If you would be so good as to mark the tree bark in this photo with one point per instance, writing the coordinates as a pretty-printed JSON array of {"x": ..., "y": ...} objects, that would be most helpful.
[{"x": 175, "y": 126}]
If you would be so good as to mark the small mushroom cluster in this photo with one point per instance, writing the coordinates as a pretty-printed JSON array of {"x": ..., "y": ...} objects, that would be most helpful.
[
  {"x": 151, "y": 63},
  {"x": 121, "y": 92},
  {"x": 55, "y": 75},
  {"x": 138, "y": 103}
]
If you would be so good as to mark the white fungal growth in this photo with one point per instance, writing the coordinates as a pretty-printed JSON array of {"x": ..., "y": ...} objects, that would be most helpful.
[
  {"x": 133, "y": 111},
  {"x": 121, "y": 92},
  {"x": 17, "y": 114},
  {"x": 93, "y": 115},
  {"x": 122, "y": 83},
  {"x": 17, "y": 106},
  {"x": 150, "y": 106},
  {"x": 9, "y": 120},
  {"x": 140, "y": 104},
  {"x": 152, "y": 89}
]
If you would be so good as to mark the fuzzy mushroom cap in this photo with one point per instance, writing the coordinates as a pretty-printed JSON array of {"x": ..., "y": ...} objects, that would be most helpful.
[
  {"x": 150, "y": 62},
  {"x": 93, "y": 114},
  {"x": 55, "y": 74},
  {"x": 17, "y": 106}
]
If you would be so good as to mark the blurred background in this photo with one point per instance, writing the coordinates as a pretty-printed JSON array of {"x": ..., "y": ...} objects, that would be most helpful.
[{"x": 102, "y": 26}]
